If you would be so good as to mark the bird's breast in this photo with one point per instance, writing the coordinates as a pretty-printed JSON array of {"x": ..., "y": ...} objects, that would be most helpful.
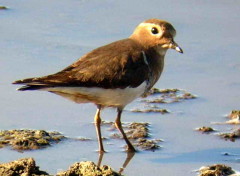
[{"x": 156, "y": 65}]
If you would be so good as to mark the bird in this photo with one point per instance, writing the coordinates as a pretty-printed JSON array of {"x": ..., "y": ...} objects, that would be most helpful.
[{"x": 113, "y": 75}]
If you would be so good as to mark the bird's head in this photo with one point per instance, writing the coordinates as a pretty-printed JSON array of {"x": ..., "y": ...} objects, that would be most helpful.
[{"x": 158, "y": 34}]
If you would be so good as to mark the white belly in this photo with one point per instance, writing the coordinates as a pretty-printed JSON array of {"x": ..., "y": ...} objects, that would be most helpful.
[{"x": 106, "y": 97}]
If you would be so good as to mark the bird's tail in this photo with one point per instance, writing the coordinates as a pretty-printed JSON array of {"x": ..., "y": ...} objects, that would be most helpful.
[
  {"x": 29, "y": 84},
  {"x": 31, "y": 87}
]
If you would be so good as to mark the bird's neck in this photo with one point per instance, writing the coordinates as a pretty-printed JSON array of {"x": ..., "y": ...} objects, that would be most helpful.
[
  {"x": 156, "y": 64},
  {"x": 161, "y": 51}
]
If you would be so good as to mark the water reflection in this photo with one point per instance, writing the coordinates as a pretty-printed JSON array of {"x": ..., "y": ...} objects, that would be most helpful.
[{"x": 129, "y": 157}]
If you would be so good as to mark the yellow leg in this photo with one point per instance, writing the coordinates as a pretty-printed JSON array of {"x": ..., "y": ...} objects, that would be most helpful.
[
  {"x": 98, "y": 120},
  {"x": 118, "y": 124}
]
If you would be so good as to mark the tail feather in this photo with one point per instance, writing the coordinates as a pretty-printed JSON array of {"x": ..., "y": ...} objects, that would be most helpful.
[
  {"x": 24, "y": 81},
  {"x": 30, "y": 84},
  {"x": 31, "y": 87}
]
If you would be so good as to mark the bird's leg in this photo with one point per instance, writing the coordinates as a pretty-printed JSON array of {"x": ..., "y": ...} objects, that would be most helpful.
[
  {"x": 118, "y": 124},
  {"x": 130, "y": 155},
  {"x": 100, "y": 158},
  {"x": 98, "y": 120}
]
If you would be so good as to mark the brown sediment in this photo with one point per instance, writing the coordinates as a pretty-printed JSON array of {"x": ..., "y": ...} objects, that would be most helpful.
[
  {"x": 234, "y": 117},
  {"x": 88, "y": 168},
  {"x": 162, "y": 111},
  {"x": 162, "y": 96},
  {"x": 23, "y": 167},
  {"x": 205, "y": 129},
  {"x": 161, "y": 91},
  {"x": 234, "y": 114},
  {"x": 157, "y": 100},
  {"x": 169, "y": 95},
  {"x": 138, "y": 133},
  {"x": 231, "y": 136},
  {"x": 147, "y": 144},
  {"x": 28, "y": 139},
  {"x": 27, "y": 167},
  {"x": 82, "y": 139},
  {"x": 137, "y": 130},
  {"x": 3, "y": 8},
  {"x": 216, "y": 170},
  {"x": 134, "y": 130}
]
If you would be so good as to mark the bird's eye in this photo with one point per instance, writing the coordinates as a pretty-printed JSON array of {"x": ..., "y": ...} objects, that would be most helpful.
[{"x": 154, "y": 30}]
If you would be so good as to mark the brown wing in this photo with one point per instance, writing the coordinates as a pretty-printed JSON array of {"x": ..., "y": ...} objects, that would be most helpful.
[{"x": 117, "y": 65}]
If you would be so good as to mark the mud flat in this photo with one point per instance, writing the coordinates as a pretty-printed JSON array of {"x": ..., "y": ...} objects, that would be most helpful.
[
  {"x": 205, "y": 129},
  {"x": 138, "y": 133},
  {"x": 155, "y": 97},
  {"x": 28, "y": 139},
  {"x": 217, "y": 170},
  {"x": 27, "y": 167},
  {"x": 232, "y": 136},
  {"x": 88, "y": 168},
  {"x": 3, "y": 8},
  {"x": 234, "y": 117}
]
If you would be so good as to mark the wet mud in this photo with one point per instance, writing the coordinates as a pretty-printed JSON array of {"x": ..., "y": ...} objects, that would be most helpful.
[
  {"x": 3, "y": 8},
  {"x": 139, "y": 135},
  {"x": 21, "y": 167},
  {"x": 234, "y": 133},
  {"x": 217, "y": 170},
  {"x": 88, "y": 168},
  {"x": 28, "y": 139},
  {"x": 27, "y": 167},
  {"x": 155, "y": 97},
  {"x": 205, "y": 129},
  {"x": 234, "y": 117},
  {"x": 153, "y": 109},
  {"x": 232, "y": 136}
]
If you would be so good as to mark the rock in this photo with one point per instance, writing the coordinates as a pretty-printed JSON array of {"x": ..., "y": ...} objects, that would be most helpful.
[
  {"x": 137, "y": 130},
  {"x": 231, "y": 136},
  {"x": 146, "y": 144},
  {"x": 234, "y": 114},
  {"x": 234, "y": 117},
  {"x": 138, "y": 133},
  {"x": 169, "y": 95},
  {"x": 88, "y": 168},
  {"x": 162, "y": 111},
  {"x": 162, "y": 91},
  {"x": 216, "y": 170},
  {"x": 21, "y": 167},
  {"x": 205, "y": 129},
  {"x": 3, "y": 8},
  {"x": 28, "y": 139}
]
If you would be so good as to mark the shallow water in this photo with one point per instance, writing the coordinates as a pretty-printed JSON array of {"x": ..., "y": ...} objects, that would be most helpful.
[{"x": 42, "y": 37}]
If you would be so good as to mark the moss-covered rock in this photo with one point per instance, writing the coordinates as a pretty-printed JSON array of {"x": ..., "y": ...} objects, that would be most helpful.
[
  {"x": 28, "y": 139},
  {"x": 138, "y": 133},
  {"x": 155, "y": 110},
  {"x": 21, "y": 167},
  {"x": 234, "y": 114},
  {"x": 3, "y": 8},
  {"x": 231, "y": 136},
  {"x": 216, "y": 170},
  {"x": 88, "y": 168},
  {"x": 205, "y": 129}
]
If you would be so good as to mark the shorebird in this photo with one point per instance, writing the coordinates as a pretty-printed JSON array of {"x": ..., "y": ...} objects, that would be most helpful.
[{"x": 115, "y": 74}]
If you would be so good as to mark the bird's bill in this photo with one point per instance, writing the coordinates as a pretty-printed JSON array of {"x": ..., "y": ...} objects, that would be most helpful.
[
  {"x": 175, "y": 46},
  {"x": 172, "y": 45}
]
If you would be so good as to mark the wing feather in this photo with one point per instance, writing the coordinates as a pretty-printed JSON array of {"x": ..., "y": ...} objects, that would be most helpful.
[{"x": 117, "y": 65}]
